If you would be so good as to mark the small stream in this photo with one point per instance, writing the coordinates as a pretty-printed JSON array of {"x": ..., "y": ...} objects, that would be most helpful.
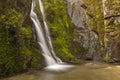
[{"x": 86, "y": 71}]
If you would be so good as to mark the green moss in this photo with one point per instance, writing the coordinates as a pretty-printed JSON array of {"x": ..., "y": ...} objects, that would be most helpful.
[
  {"x": 17, "y": 50},
  {"x": 58, "y": 23},
  {"x": 97, "y": 19},
  {"x": 106, "y": 58}
]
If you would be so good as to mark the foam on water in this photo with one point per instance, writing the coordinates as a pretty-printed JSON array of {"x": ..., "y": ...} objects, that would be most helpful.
[{"x": 59, "y": 67}]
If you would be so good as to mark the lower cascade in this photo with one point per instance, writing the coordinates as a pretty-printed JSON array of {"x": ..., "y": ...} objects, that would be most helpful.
[{"x": 44, "y": 40}]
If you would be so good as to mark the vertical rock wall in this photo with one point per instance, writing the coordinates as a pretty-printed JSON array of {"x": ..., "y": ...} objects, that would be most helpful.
[
  {"x": 112, "y": 28},
  {"x": 85, "y": 39}
]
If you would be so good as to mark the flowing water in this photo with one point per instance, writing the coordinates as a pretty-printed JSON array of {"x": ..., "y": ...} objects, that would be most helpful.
[
  {"x": 44, "y": 40},
  {"x": 48, "y": 33},
  {"x": 86, "y": 71},
  {"x": 44, "y": 43}
]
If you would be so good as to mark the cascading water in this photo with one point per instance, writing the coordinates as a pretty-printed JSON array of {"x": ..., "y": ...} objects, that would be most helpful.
[
  {"x": 47, "y": 32},
  {"x": 44, "y": 40}
]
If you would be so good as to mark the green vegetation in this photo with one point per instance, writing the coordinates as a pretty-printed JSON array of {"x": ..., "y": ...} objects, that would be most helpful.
[
  {"x": 59, "y": 24},
  {"x": 106, "y": 58},
  {"x": 10, "y": 24},
  {"x": 15, "y": 44}
]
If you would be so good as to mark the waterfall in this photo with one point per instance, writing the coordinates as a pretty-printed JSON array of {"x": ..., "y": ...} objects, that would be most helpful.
[
  {"x": 47, "y": 31},
  {"x": 48, "y": 53},
  {"x": 44, "y": 40}
]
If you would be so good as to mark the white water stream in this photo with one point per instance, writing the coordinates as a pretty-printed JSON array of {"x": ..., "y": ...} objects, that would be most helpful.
[{"x": 44, "y": 40}]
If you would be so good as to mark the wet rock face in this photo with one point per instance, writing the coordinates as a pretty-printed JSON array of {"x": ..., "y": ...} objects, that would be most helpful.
[
  {"x": 85, "y": 40},
  {"x": 112, "y": 28},
  {"x": 113, "y": 38},
  {"x": 111, "y": 7}
]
